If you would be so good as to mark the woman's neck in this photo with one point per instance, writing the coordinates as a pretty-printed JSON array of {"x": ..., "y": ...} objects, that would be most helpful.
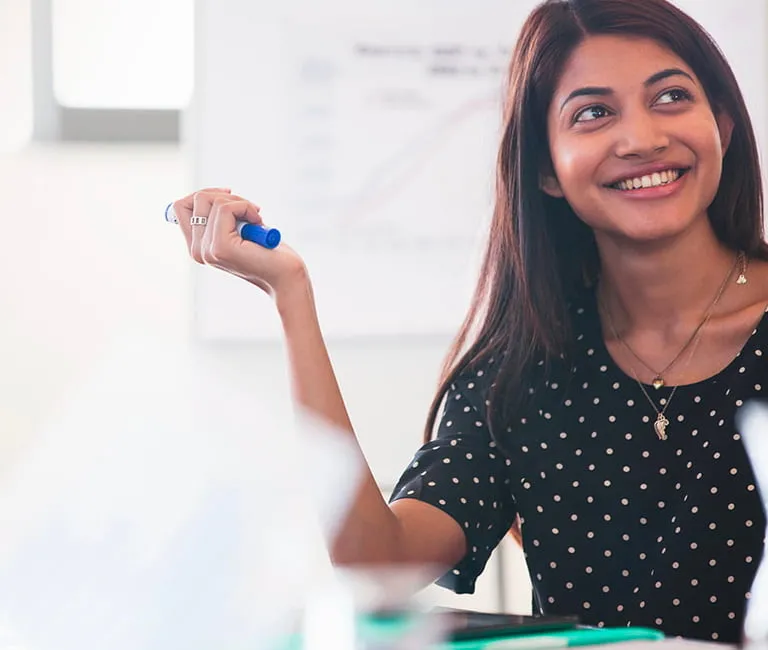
[{"x": 662, "y": 287}]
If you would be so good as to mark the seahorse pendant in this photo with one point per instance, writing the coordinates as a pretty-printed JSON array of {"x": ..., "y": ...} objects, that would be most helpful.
[{"x": 660, "y": 426}]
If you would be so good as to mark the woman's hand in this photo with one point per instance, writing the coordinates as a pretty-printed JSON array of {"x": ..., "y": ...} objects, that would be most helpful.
[{"x": 219, "y": 244}]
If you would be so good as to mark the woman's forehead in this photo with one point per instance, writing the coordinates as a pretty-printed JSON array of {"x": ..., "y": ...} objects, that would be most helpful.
[{"x": 616, "y": 61}]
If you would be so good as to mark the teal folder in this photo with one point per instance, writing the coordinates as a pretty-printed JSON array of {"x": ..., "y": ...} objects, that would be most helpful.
[
  {"x": 564, "y": 639},
  {"x": 579, "y": 636}
]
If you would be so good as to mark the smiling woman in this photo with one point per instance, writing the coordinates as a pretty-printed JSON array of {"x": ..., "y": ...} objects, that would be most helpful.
[{"x": 618, "y": 326}]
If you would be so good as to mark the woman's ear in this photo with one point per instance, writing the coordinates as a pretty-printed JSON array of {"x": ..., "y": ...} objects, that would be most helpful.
[
  {"x": 550, "y": 185},
  {"x": 725, "y": 127}
]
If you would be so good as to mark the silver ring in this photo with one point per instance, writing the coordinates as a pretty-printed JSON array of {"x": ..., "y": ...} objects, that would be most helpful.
[
  {"x": 170, "y": 214},
  {"x": 198, "y": 221}
]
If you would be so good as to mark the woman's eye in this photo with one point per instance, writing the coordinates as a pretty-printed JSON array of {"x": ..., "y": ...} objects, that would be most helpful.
[
  {"x": 591, "y": 113},
  {"x": 673, "y": 96}
]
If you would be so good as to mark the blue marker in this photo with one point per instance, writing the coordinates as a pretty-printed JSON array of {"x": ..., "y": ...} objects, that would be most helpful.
[{"x": 266, "y": 237}]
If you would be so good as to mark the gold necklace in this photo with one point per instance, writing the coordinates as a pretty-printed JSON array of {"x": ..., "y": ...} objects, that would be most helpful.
[
  {"x": 658, "y": 376},
  {"x": 661, "y": 423}
]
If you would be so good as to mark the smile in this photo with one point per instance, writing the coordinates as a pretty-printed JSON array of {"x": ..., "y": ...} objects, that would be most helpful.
[{"x": 657, "y": 179}]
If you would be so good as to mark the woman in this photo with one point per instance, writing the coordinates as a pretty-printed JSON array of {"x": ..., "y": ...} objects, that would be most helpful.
[{"x": 616, "y": 328}]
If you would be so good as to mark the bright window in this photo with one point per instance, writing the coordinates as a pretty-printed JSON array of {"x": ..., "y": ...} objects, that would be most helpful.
[{"x": 133, "y": 54}]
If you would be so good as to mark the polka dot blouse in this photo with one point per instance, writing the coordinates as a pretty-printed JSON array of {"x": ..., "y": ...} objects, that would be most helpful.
[{"x": 619, "y": 527}]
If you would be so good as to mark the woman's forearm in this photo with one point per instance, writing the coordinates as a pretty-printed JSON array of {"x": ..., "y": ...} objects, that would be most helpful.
[{"x": 370, "y": 533}]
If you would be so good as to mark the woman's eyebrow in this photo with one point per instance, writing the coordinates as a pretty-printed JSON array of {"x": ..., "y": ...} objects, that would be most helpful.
[{"x": 603, "y": 91}]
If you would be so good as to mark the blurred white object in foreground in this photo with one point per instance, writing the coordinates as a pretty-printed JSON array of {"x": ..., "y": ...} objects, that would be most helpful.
[
  {"x": 754, "y": 430},
  {"x": 165, "y": 507}
]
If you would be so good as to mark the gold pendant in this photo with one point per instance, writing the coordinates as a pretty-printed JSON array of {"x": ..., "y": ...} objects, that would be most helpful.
[
  {"x": 660, "y": 426},
  {"x": 658, "y": 382}
]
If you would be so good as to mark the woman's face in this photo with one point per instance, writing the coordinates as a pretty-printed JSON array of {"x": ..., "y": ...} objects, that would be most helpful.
[{"x": 636, "y": 148}]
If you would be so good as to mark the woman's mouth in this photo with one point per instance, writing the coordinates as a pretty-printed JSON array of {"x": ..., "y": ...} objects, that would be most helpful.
[{"x": 656, "y": 179}]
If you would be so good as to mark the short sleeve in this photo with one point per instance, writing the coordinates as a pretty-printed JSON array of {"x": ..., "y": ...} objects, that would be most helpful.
[{"x": 464, "y": 474}]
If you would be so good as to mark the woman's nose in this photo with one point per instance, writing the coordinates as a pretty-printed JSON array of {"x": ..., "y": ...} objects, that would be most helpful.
[{"x": 640, "y": 135}]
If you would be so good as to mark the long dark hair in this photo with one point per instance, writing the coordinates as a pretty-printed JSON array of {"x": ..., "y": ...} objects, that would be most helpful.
[{"x": 538, "y": 251}]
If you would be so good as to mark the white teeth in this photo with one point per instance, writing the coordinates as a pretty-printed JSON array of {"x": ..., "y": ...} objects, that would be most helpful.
[{"x": 651, "y": 180}]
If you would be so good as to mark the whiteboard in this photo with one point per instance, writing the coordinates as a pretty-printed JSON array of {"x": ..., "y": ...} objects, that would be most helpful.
[{"x": 367, "y": 132}]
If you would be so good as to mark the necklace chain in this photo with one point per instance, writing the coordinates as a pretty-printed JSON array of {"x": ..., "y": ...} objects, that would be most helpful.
[
  {"x": 661, "y": 423},
  {"x": 658, "y": 377}
]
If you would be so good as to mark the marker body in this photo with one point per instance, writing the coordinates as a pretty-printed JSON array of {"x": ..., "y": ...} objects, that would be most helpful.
[{"x": 266, "y": 237}]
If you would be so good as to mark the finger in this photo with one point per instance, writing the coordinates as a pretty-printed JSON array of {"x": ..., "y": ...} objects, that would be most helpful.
[
  {"x": 185, "y": 204},
  {"x": 183, "y": 210},
  {"x": 226, "y": 214},
  {"x": 202, "y": 205}
]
